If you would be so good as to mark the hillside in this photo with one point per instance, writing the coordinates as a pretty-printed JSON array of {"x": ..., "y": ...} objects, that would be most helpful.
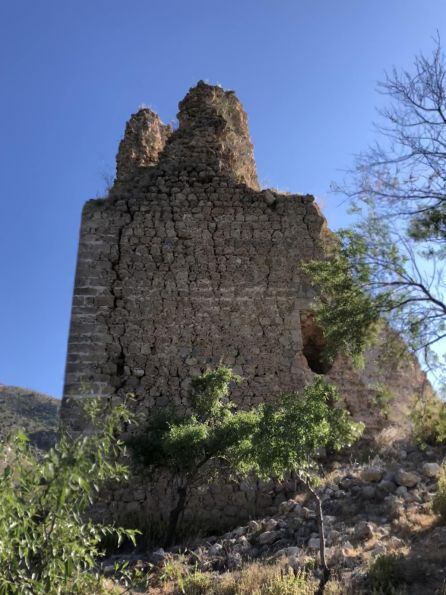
[{"x": 35, "y": 413}]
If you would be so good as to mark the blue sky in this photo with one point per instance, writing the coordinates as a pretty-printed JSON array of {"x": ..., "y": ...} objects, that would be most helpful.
[{"x": 72, "y": 72}]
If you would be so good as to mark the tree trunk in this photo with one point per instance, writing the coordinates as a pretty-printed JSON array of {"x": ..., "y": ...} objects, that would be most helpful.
[
  {"x": 175, "y": 515},
  {"x": 321, "y": 530}
]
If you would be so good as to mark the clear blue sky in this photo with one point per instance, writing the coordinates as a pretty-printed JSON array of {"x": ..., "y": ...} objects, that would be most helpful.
[{"x": 72, "y": 71}]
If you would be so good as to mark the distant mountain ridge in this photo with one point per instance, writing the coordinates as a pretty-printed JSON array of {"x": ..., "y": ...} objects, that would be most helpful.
[{"x": 35, "y": 413}]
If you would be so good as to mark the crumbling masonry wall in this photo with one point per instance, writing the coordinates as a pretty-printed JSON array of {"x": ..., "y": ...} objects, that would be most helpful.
[{"x": 187, "y": 265}]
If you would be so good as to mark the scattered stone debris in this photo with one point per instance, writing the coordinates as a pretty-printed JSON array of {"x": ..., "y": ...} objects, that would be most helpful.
[{"x": 384, "y": 508}]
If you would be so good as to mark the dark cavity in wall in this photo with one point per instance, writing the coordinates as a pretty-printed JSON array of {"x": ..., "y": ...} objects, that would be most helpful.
[{"x": 313, "y": 344}]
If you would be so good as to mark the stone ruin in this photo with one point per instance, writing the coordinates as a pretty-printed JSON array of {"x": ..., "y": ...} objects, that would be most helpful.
[{"x": 188, "y": 264}]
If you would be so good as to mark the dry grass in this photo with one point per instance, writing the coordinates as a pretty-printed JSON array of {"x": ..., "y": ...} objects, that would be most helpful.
[
  {"x": 387, "y": 438},
  {"x": 413, "y": 523},
  {"x": 256, "y": 578},
  {"x": 263, "y": 579}
]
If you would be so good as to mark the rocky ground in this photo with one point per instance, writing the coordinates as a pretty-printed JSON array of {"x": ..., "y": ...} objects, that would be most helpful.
[{"x": 380, "y": 507}]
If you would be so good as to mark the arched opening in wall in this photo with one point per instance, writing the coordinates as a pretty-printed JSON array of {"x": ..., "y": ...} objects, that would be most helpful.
[{"x": 313, "y": 344}]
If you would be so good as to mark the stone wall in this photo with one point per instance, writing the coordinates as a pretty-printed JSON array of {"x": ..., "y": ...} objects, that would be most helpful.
[
  {"x": 144, "y": 138},
  {"x": 188, "y": 265}
]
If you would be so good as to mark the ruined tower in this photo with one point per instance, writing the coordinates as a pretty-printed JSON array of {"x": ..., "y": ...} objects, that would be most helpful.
[{"x": 188, "y": 264}]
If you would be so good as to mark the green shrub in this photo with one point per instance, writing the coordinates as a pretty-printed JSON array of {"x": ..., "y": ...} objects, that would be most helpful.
[
  {"x": 383, "y": 398},
  {"x": 197, "y": 583},
  {"x": 194, "y": 448},
  {"x": 46, "y": 544},
  {"x": 386, "y": 574},
  {"x": 429, "y": 420},
  {"x": 439, "y": 503}
]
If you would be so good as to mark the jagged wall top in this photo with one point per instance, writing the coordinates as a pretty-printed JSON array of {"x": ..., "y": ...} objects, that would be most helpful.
[
  {"x": 144, "y": 139},
  {"x": 212, "y": 138}
]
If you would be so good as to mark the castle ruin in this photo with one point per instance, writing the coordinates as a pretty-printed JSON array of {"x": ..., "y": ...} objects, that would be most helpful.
[{"x": 188, "y": 264}]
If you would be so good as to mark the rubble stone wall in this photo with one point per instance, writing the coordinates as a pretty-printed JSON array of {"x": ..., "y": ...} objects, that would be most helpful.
[{"x": 188, "y": 265}]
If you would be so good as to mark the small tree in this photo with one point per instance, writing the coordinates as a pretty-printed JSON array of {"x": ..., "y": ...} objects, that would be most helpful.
[
  {"x": 290, "y": 435},
  {"x": 390, "y": 265},
  {"x": 348, "y": 314},
  {"x": 269, "y": 441},
  {"x": 46, "y": 544},
  {"x": 195, "y": 448}
]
